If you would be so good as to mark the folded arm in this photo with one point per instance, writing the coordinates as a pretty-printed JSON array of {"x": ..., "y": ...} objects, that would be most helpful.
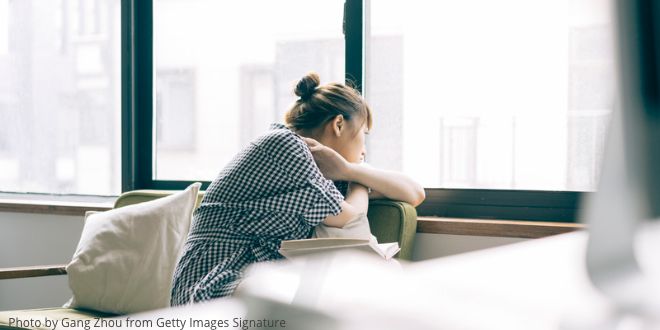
[
  {"x": 356, "y": 202},
  {"x": 384, "y": 184},
  {"x": 389, "y": 184}
]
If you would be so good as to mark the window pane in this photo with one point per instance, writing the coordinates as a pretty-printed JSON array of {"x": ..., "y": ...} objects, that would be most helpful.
[
  {"x": 510, "y": 94},
  {"x": 226, "y": 70},
  {"x": 60, "y": 96}
]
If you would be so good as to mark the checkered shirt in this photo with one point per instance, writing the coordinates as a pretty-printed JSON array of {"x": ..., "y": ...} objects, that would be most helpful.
[{"x": 271, "y": 191}]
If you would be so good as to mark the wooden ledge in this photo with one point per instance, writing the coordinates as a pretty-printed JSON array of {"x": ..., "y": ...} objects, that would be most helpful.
[
  {"x": 31, "y": 271},
  {"x": 499, "y": 228},
  {"x": 51, "y": 207}
]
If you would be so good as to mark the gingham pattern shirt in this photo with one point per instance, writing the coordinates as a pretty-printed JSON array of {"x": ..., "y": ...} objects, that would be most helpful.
[{"x": 271, "y": 191}]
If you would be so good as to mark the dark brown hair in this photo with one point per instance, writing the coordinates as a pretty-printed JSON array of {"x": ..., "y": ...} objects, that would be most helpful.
[{"x": 319, "y": 104}]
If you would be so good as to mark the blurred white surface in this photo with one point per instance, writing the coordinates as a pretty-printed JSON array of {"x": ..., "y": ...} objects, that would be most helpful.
[{"x": 539, "y": 284}]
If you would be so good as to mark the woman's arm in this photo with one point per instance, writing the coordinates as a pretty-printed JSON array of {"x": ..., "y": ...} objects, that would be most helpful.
[
  {"x": 393, "y": 185},
  {"x": 374, "y": 194},
  {"x": 356, "y": 202}
]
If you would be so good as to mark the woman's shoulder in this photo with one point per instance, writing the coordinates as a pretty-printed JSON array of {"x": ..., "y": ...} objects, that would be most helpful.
[{"x": 281, "y": 139}]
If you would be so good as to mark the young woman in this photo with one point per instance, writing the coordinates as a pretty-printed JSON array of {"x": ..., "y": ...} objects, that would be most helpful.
[{"x": 281, "y": 187}]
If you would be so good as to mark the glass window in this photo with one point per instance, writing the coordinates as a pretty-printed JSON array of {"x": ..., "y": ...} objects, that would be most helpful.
[
  {"x": 60, "y": 96},
  {"x": 508, "y": 94},
  {"x": 225, "y": 72}
]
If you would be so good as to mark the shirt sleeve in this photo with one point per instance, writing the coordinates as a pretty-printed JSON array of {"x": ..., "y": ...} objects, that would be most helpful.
[
  {"x": 328, "y": 202},
  {"x": 291, "y": 155},
  {"x": 294, "y": 158}
]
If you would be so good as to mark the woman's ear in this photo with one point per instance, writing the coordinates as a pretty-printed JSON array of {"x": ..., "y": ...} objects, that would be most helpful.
[{"x": 338, "y": 124}]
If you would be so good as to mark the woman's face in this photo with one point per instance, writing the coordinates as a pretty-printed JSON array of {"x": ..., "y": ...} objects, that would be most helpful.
[{"x": 350, "y": 141}]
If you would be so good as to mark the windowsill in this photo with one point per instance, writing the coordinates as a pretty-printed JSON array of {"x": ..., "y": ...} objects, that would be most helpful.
[
  {"x": 54, "y": 204},
  {"x": 77, "y": 205},
  {"x": 491, "y": 227}
]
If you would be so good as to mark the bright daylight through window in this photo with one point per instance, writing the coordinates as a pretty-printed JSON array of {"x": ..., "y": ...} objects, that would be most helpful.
[
  {"x": 225, "y": 73},
  {"x": 514, "y": 95},
  {"x": 510, "y": 94},
  {"x": 60, "y": 97}
]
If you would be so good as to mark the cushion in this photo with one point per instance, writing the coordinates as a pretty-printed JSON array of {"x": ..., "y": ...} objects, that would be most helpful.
[
  {"x": 126, "y": 257},
  {"x": 357, "y": 227}
]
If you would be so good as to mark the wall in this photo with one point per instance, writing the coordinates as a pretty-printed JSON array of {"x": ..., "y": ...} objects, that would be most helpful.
[
  {"x": 429, "y": 246},
  {"x": 38, "y": 239}
]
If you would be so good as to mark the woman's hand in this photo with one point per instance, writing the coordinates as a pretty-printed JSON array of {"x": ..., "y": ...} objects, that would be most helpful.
[{"x": 332, "y": 164}]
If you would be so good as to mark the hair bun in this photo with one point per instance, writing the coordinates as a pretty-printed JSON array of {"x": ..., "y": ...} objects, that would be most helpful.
[{"x": 307, "y": 85}]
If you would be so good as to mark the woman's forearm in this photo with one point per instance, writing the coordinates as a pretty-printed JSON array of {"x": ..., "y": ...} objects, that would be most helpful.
[
  {"x": 375, "y": 194},
  {"x": 356, "y": 202},
  {"x": 358, "y": 197},
  {"x": 393, "y": 185}
]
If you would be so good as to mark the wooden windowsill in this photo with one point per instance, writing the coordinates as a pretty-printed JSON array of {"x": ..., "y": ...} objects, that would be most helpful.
[
  {"x": 429, "y": 225},
  {"x": 498, "y": 228},
  {"x": 58, "y": 207},
  {"x": 31, "y": 271}
]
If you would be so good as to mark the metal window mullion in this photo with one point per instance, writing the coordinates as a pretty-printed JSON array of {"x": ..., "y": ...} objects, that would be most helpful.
[
  {"x": 127, "y": 170},
  {"x": 354, "y": 41},
  {"x": 137, "y": 90}
]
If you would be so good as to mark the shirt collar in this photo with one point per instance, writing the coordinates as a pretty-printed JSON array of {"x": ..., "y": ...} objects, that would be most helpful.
[{"x": 277, "y": 126}]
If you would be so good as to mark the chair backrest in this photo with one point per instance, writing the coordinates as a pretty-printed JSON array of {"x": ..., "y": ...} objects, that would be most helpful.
[
  {"x": 139, "y": 196},
  {"x": 392, "y": 221},
  {"x": 389, "y": 221}
]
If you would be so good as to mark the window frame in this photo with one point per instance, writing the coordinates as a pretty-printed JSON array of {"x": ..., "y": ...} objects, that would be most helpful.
[{"x": 138, "y": 138}]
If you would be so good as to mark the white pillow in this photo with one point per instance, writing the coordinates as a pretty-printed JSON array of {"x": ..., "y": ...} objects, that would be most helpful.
[
  {"x": 357, "y": 227},
  {"x": 126, "y": 257}
]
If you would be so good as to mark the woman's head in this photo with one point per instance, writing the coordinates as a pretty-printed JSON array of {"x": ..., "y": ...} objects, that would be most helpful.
[{"x": 334, "y": 114}]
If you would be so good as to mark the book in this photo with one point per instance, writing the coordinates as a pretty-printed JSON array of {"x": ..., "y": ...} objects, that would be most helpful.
[{"x": 292, "y": 248}]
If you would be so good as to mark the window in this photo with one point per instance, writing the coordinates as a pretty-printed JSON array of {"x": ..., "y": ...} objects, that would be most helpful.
[
  {"x": 224, "y": 73},
  {"x": 485, "y": 113},
  {"x": 4, "y": 27},
  {"x": 175, "y": 110},
  {"x": 60, "y": 96},
  {"x": 483, "y": 94}
]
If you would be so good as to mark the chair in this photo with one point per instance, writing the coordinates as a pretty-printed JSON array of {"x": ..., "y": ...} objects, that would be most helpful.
[{"x": 390, "y": 221}]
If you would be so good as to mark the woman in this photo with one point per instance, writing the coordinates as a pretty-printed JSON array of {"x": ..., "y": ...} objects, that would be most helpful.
[{"x": 280, "y": 188}]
